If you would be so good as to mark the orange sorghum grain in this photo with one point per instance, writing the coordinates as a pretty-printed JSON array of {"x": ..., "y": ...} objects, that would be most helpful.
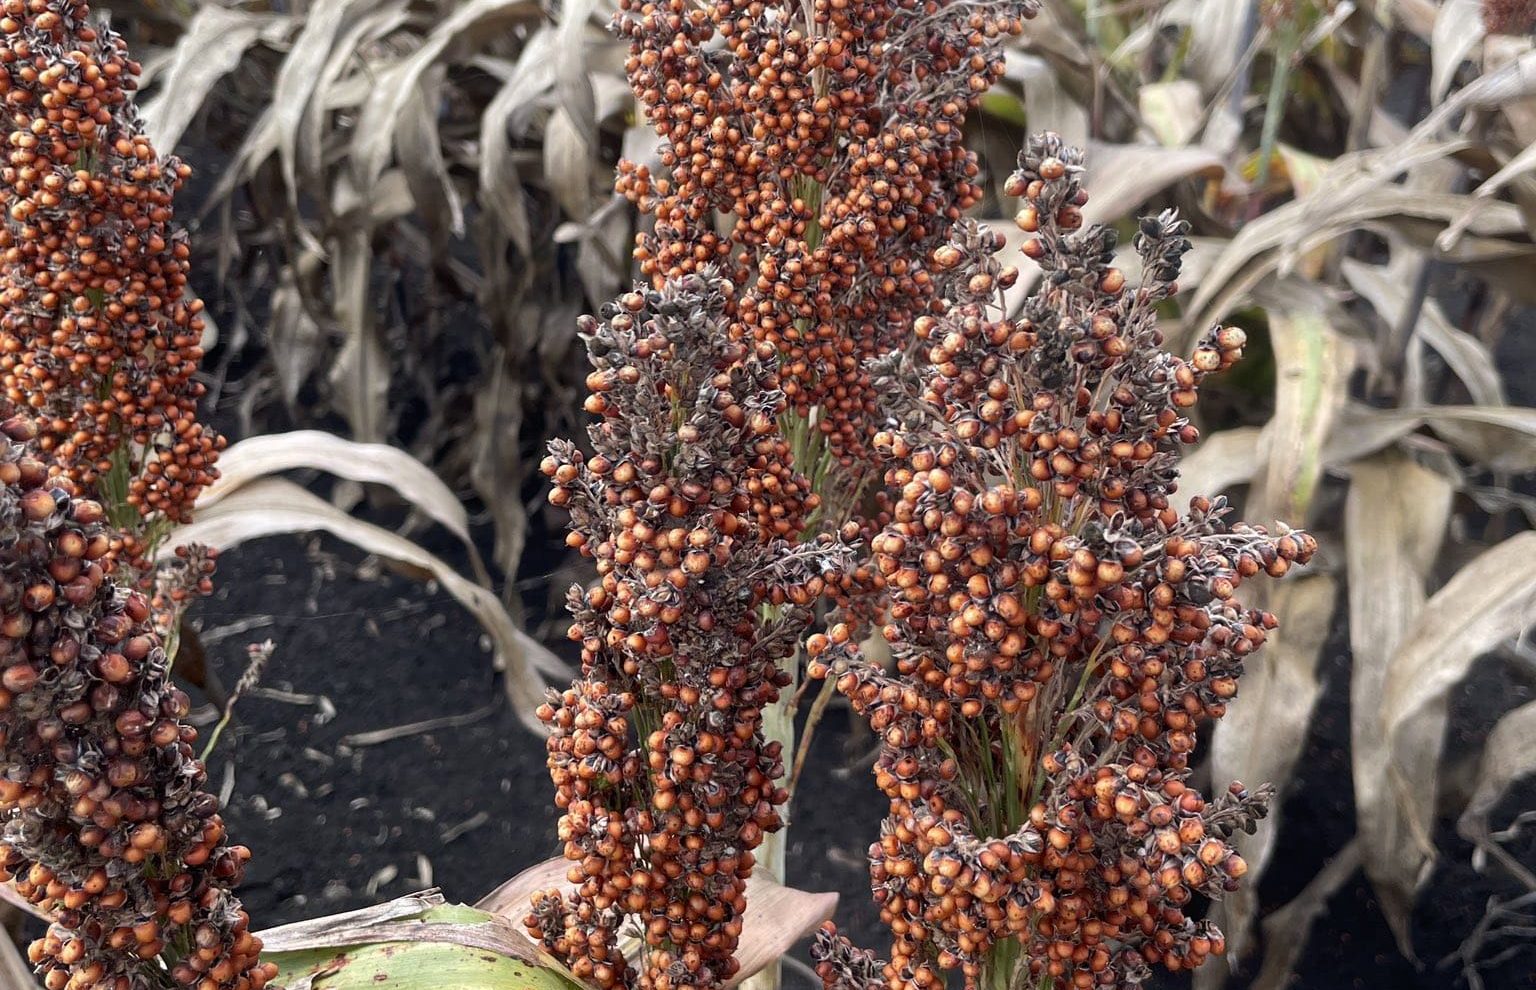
[
  {"x": 829, "y": 136},
  {"x": 692, "y": 510},
  {"x": 107, "y": 825},
  {"x": 1058, "y": 629},
  {"x": 99, "y": 338},
  {"x": 1509, "y": 16}
]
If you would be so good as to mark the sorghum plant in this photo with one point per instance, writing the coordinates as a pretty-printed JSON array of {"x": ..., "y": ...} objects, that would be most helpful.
[
  {"x": 1509, "y": 16},
  {"x": 107, "y": 825},
  {"x": 1059, "y": 630},
  {"x": 691, "y": 508},
  {"x": 828, "y": 134},
  {"x": 98, "y": 337}
]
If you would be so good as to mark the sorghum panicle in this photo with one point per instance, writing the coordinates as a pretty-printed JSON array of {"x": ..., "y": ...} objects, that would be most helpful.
[
  {"x": 98, "y": 336},
  {"x": 691, "y": 509},
  {"x": 828, "y": 134},
  {"x": 107, "y": 825},
  {"x": 1509, "y": 16},
  {"x": 1058, "y": 629}
]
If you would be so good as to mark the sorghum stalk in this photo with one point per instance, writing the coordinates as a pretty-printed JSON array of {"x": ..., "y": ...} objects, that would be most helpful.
[
  {"x": 691, "y": 508},
  {"x": 1059, "y": 630}
]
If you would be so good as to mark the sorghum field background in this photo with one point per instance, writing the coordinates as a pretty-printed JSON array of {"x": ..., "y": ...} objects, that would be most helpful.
[{"x": 399, "y": 209}]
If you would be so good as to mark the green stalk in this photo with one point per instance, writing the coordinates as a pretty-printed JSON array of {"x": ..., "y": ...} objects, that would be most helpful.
[{"x": 1285, "y": 47}]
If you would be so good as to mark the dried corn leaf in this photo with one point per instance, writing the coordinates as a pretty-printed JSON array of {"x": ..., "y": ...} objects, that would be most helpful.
[
  {"x": 501, "y": 188},
  {"x": 1518, "y": 167},
  {"x": 15, "y": 972},
  {"x": 1395, "y": 518},
  {"x": 374, "y": 136},
  {"x": 295, "y": 336},
  {"x": 334, "y": 90},
  {"x": 1488, "y": 601},
  {"x": 568, "y": 163},
  {"x": 573, "y": 85},
  {"x": 497, "y": 466},
  {"x": 1509, "y": 756},
  {"x": 776, "y": 917},
  {"x": 1047, "y": 104},
  {"x": 272, "y": 506},
  {"x": 419, "y": 150},
  {"x": 1356, "y": 190},
  {"x": 300, "y": 77},
  {"x": 1458, "y": 29},
  {"x": 212, "y": 45},
  {"x": 1312, "y": 368},
  {"x": 1172, "y": 110},
  {"x": 360, "y": 375},
  {"x": 1231, "y": 457},
  {"x": 376, "y": 463},
  {"x": 1386, "y": 288},
  {"x": 1260, "y": 739},
  {"x": 1124, "y": 176}
]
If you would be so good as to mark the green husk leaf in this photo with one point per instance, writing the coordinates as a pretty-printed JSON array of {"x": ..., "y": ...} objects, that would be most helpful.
[{"x": 413, "y": 943}]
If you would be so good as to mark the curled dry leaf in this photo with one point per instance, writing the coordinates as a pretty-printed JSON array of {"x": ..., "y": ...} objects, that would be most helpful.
[
  {"x": 1509, "y": 755},
  {"x": 374, "y": 136},
  {"x": 1458, "y": 29},
  {"x": 1491, "y": 599},
  {"x": 360, "y": 375},
  {"x": 1312, "y": 377},
  {"x": 776, "y": 917},
  {"x": 376, "y": 463},
  {"x": 1124, "y": 176},
  {"x": 1395, "y": 518},
  {"x": 1261, "y": 737},
  {"x": 209, "y": 48},
  {"x": 1356, "y": 190},
  {"x": 272, "y": 506}
]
